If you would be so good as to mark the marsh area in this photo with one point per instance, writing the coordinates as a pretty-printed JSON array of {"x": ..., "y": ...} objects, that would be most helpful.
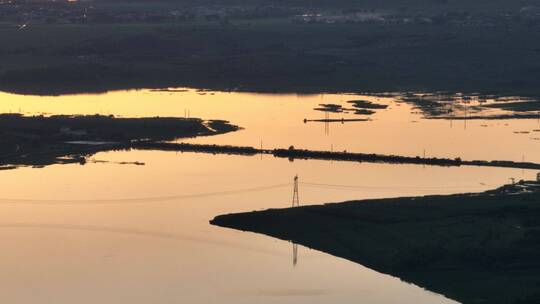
[{"x": 127, "y": 125}]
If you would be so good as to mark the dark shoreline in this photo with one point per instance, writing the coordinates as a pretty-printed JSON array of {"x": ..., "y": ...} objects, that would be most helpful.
[
  {"x": 464, "y": 246},
  {"x": 161, "y": 79},
  {"x": 39, "y": 141},
  {"x": 492, "y": 117},
  {"x": 293, "y": 154}
]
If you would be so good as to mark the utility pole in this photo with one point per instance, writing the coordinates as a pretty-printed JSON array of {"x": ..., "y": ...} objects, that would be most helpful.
[
  {"x": 326, "y": 123},
  {"x": 295, "y": 198}
]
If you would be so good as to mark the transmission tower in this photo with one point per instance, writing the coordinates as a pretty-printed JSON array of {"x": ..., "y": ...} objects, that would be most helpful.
[{"x": 295, "y": 198}]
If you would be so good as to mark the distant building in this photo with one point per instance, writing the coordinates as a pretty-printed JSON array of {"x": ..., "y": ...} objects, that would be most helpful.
[{"x": 71, "y": 132}]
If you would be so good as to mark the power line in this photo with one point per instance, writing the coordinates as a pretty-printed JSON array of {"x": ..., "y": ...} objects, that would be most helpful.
[
  {"x": 143, "y": 199},
  {"x": 295, "y": 202},
  {"x": 360, "y": 187}
]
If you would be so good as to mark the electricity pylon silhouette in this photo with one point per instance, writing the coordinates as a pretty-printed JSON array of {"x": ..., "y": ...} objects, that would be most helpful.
[{"x": 295, "y": 198}]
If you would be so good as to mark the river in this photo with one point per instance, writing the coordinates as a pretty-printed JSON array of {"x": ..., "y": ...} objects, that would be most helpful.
[{"x": 111, "y": 233}]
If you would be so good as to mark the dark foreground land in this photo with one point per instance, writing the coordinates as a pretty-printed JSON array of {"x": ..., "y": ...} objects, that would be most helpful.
[
  {"x": 40, "y": 140},
  {"x": 271, "y": 46},
  {"x": 474, "y": 248}
]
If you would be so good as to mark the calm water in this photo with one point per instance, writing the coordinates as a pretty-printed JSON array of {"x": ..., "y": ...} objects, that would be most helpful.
[{"x": 112, "y": 233}]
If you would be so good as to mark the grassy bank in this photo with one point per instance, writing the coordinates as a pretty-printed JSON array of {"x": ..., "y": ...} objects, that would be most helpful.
[{"x": 474, "y": 248}]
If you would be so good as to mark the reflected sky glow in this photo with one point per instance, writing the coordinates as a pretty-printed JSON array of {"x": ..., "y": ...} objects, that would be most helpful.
[
  {"x": 277, "y": 121},
  {"x": 113, "y": 233}
]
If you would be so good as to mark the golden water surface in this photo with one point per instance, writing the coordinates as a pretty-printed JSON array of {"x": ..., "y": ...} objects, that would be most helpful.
[{"x": 109, "y": 233}]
